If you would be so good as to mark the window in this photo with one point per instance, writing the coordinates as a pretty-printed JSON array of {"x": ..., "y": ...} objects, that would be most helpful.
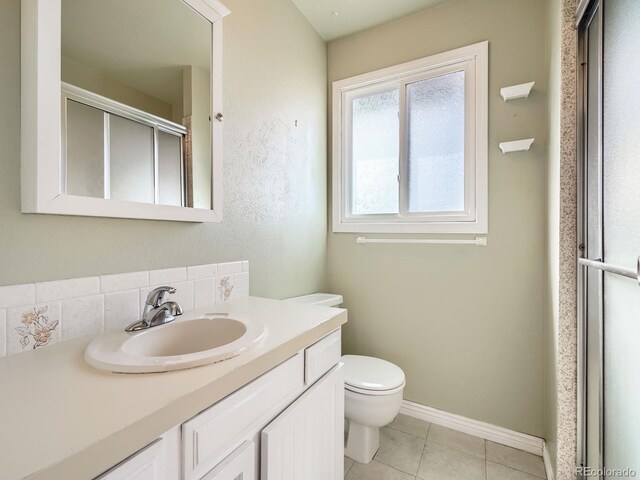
[{"x": 410, "y": 146}]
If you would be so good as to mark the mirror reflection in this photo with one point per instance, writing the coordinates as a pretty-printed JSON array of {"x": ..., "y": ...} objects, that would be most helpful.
[{"x": 136, "y": 92}]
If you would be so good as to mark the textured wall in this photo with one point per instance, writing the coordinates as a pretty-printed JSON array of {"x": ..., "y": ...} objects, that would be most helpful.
[
  {"x": 465, "y": 323},
  {"x": 274, "y": 173},
  {"x": 567, "y": 240},
  {"x": 560, "y": 337}
]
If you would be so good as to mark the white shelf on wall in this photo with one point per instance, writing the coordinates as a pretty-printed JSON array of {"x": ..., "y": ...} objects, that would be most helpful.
[
  {"x": 516, "y": 91},
  {"x": 516, "y": 145}
]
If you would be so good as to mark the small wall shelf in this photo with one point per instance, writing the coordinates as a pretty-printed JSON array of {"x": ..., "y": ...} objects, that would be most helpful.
[
  {"x": 516, "y": 91},
  {"x": 516, "y": 145}
]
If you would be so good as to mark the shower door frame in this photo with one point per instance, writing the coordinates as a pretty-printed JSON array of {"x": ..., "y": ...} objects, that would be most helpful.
[{"x": 587, "y": 11}]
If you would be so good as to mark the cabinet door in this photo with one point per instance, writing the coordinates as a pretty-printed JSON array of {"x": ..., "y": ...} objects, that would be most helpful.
[
  {"x": 148, "y": 464},
  {"x": 306, "y": 441},
  {"x": 239, "y": 465}
]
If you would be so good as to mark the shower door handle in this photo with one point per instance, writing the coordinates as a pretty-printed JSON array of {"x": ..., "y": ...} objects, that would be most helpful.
[{"x": 607, "y": 267}]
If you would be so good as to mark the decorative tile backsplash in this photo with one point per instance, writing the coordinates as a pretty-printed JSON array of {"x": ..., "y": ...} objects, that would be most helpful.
[{"x": 36, "y": 315}]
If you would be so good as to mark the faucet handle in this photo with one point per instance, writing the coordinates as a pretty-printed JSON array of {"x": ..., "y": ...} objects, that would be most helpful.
[{"x": 156, "y": 296}]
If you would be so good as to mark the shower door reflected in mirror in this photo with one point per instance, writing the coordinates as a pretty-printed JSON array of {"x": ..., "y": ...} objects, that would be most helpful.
[{"x": 136, "y": 102}]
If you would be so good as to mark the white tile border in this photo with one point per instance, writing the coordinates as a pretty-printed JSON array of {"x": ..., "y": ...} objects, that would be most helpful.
[
  {"x": 82, "y": 316},
  {"x": 503, "y": 436},
  {"x": 64, "y": 289},
  {"x": 229, "y": 268},
  {"x": 102, "y": 293},
  {"x": 168, "y": 276},
  {"x": 17, "y": 295},
  {"x": 200, "y": 272},
  {"x": 123, "y": 281}
]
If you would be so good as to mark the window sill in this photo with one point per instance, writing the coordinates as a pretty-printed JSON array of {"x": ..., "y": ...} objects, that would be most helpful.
[{"x": 398, "y": 227}]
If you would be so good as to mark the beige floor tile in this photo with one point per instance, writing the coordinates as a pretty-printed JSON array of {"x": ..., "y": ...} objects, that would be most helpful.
[
  {"x": 516, "y": 459},
  {"x": 348, "y": 463},
  {"x": 443, "y": 463},
  {"x": 376, "y": 471},
  {"x": 496, "y": 471},
  {"x": 410, "y": 425},
  {"x": 456, "y": 440},
  {"x": 400, "y": 450}
]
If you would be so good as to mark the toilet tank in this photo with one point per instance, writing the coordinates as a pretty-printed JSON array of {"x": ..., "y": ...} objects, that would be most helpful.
[{"x": 324, "y": 299}]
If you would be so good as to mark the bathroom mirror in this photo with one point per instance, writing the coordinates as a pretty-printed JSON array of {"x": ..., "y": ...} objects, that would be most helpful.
[{"x": 122, "y": 108}]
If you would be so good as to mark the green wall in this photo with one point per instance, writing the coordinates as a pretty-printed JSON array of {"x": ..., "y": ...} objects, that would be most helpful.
[
  {"x": 465, "y": 323},
  {"x": 275, "y": 175}
]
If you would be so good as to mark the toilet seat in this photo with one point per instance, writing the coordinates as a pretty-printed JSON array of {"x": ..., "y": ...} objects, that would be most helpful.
[
  {"x": 372, "y": 376},
  {"x": 374, "y": 393}
]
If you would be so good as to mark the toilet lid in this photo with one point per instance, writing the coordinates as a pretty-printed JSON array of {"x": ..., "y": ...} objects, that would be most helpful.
[{"x": 369, "y": 373}]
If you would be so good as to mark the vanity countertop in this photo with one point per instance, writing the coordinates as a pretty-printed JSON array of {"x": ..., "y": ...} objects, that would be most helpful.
[{"x": 62, "y": 419}]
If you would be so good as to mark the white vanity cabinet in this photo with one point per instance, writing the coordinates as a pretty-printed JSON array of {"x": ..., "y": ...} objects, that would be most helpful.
[
  {"x": 306, "y": 440},
  {"x": 159, "y": 460},
  {"x": 240, "y": 465},
  {"x": 148, "y": 464},
  {"x": 287, "y": 424}
]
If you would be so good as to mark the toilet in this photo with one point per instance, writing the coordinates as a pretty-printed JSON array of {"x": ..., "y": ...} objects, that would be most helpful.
[{"x": 373, "y": 393}]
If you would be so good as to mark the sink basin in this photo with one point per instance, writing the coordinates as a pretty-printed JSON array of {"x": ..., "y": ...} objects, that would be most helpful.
[
  {"x": 175, "y": 346},
  {"x": 184, "y": 338}
]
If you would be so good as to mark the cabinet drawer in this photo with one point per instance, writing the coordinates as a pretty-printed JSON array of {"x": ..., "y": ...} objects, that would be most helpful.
[
  {"x": 240, "y": 464},
  {"x": 320, "y": 357},
  {"x": 147, "y": 464},
  {"x": 211, "y": 435}
]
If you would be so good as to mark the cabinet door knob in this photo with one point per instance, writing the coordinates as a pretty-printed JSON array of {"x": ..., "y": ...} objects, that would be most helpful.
[{"x": 219, "y": 117}]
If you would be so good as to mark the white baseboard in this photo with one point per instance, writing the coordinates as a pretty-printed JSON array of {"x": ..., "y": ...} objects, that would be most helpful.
[
  {"x": 548, "y": 467},
  {"x": 504, "y": 436}
]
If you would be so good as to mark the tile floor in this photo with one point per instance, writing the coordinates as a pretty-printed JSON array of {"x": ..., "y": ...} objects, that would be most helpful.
[{"x": 412, "y": 449}]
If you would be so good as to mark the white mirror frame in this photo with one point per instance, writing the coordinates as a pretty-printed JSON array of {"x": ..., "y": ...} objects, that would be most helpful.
[{"x": 41, "y": 123}]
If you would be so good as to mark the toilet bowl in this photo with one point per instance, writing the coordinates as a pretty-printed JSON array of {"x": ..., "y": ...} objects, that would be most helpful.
[{"x": 373, "y": 395}]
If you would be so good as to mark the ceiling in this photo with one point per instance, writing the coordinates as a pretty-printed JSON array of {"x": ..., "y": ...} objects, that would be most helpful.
[{"x": 337, "y": 18}]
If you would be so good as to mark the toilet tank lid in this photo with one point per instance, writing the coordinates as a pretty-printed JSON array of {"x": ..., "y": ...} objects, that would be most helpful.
[
  {"x": 324, "y": 299},
  {"x": 370, "y": 373}
]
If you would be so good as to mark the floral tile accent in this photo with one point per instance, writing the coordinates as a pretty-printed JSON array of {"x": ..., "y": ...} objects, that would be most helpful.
[
  {"x": 224, "y": 289},
  {"x": 32, "y": 327}
]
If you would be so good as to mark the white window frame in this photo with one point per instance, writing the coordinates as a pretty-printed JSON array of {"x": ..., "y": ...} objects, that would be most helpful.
[{"x": 473, "y": 60}]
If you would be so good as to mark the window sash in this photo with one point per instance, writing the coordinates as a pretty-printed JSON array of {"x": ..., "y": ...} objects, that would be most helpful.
[
  {"x": 468, "y": 213},
  {"x": 473, "y": 62}
]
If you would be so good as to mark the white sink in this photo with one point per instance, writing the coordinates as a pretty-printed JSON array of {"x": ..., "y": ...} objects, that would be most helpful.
[{"x": 175, "y": 346}]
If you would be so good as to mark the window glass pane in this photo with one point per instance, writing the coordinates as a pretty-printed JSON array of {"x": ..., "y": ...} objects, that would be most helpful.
[
  {"x": 436, "y": 144},
  {"x": 169, "y": 169},
  {"x": 131, "y": 160},
  {"x": 85, "y": 150},
  {"x": 375, "y": 140}
]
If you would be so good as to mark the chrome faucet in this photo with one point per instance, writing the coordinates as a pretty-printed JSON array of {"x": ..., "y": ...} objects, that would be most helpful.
[{"x": 156, "y": 310}]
